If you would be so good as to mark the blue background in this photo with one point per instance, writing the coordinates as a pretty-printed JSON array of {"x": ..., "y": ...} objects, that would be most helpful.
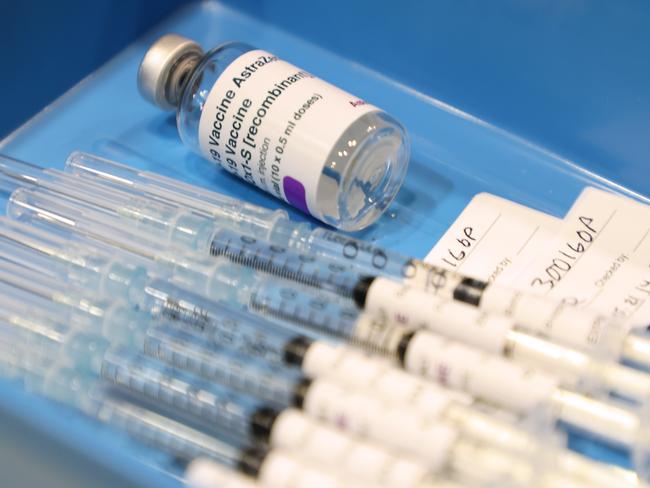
[
  {"x": 570, "y": 75},
  {"x": 529, "y": 100}
]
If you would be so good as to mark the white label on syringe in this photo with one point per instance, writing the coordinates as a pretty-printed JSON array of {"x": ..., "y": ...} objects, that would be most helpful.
[
  {"x": 491, "y": 238},
  {"x": 412, "y": 307},
  {"x": 205, "y": 473},
  {"x": 357, "y": 371},
  {"x": 551, "y": 319},
  {"x": 488, "y": 377},
  {"x": 332, "y": 448},
  {"x": 598, "y": 239},
  {"x": 367, "y": 416},
  {"x": 274, "y": 125},
  {"x": 282, "y": 469}
]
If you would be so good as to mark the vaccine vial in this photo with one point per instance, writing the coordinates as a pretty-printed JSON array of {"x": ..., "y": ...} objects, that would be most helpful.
[{"x": 315, "y": 146}]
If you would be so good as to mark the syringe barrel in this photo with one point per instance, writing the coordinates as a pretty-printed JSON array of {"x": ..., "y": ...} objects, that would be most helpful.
[
  {"x": 363, "y": 256},
  {"x": 288, "y": 302},
  {"x": 219, "y": 323},
  {"x": 279, "y": 261},
  {"x": 163, "y": 433},
  {"x": 71, "y": 384},
  {"x": 368, "y": 259},
  {"x": 271, "y": 383},
  {"x": 215, "y": 404},
  {"x": 326, "y": 315}
]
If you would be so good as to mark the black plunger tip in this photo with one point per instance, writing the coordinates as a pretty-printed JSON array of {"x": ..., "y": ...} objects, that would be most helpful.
[{"x": 360, "y": 292}]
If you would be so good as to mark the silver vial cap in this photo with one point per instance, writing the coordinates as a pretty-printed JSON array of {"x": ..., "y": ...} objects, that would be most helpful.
[{"x": 158, "y": 76}]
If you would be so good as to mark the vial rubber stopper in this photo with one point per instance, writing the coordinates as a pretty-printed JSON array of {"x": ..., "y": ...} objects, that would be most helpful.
[{"x": 165, "y": 67}]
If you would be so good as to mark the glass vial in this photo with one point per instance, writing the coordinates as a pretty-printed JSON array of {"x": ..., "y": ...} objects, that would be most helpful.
[{"x": 317, "y": 147}]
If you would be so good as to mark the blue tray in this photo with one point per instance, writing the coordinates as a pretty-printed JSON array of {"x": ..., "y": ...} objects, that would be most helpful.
[{"x": 455, "y": 156}]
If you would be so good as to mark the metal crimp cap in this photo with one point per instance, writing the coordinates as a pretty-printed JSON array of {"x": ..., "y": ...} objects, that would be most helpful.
[{"x": 159, "y": 79}]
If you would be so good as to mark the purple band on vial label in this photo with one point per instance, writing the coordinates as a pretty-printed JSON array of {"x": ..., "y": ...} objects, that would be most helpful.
[{"x": 295, "y": 193}]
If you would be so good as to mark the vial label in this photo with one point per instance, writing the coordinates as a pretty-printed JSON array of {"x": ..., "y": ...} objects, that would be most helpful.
[{"x": 274, "y": 125}]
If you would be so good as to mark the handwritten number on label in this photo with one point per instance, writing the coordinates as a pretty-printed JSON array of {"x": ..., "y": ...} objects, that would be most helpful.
[
  {"x": 567, "y": 255},
  {"x": 465, "y": 242}
]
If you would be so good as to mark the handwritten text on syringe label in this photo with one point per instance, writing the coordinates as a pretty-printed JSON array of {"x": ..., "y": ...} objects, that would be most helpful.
[
  {"x": 492, "y": 238},
  {"x": 600, "y": 255}
]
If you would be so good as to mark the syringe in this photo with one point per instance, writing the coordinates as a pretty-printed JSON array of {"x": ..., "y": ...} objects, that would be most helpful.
[
  {"x": 428, "y": 354},
  {"x": 123, "y": 369},
  {"x": 46, "y": 328},
  {"x": 274, "y": 468},
  {"x": 181, "y": 349},
  {"x": 250, "y": 419},
  {"x": 178, "y": 228},
  {"x": 343, "y": 242},
  {"x": 487, "y": 376},
  {"x": 188, "y": 352},
  {"x": 192, "y": 315},
  {"x": 165, "y": 343},
  {"x": 398, "y": 303},
  {"x": 172, "y": 310},
  {"x": 216, "y": 404},
  {"x": 579, "y": 328},
  {"x": 258, "y": 422},
  {"x": 494, "y": 334},
  {"x": 182, "y": 228}
]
